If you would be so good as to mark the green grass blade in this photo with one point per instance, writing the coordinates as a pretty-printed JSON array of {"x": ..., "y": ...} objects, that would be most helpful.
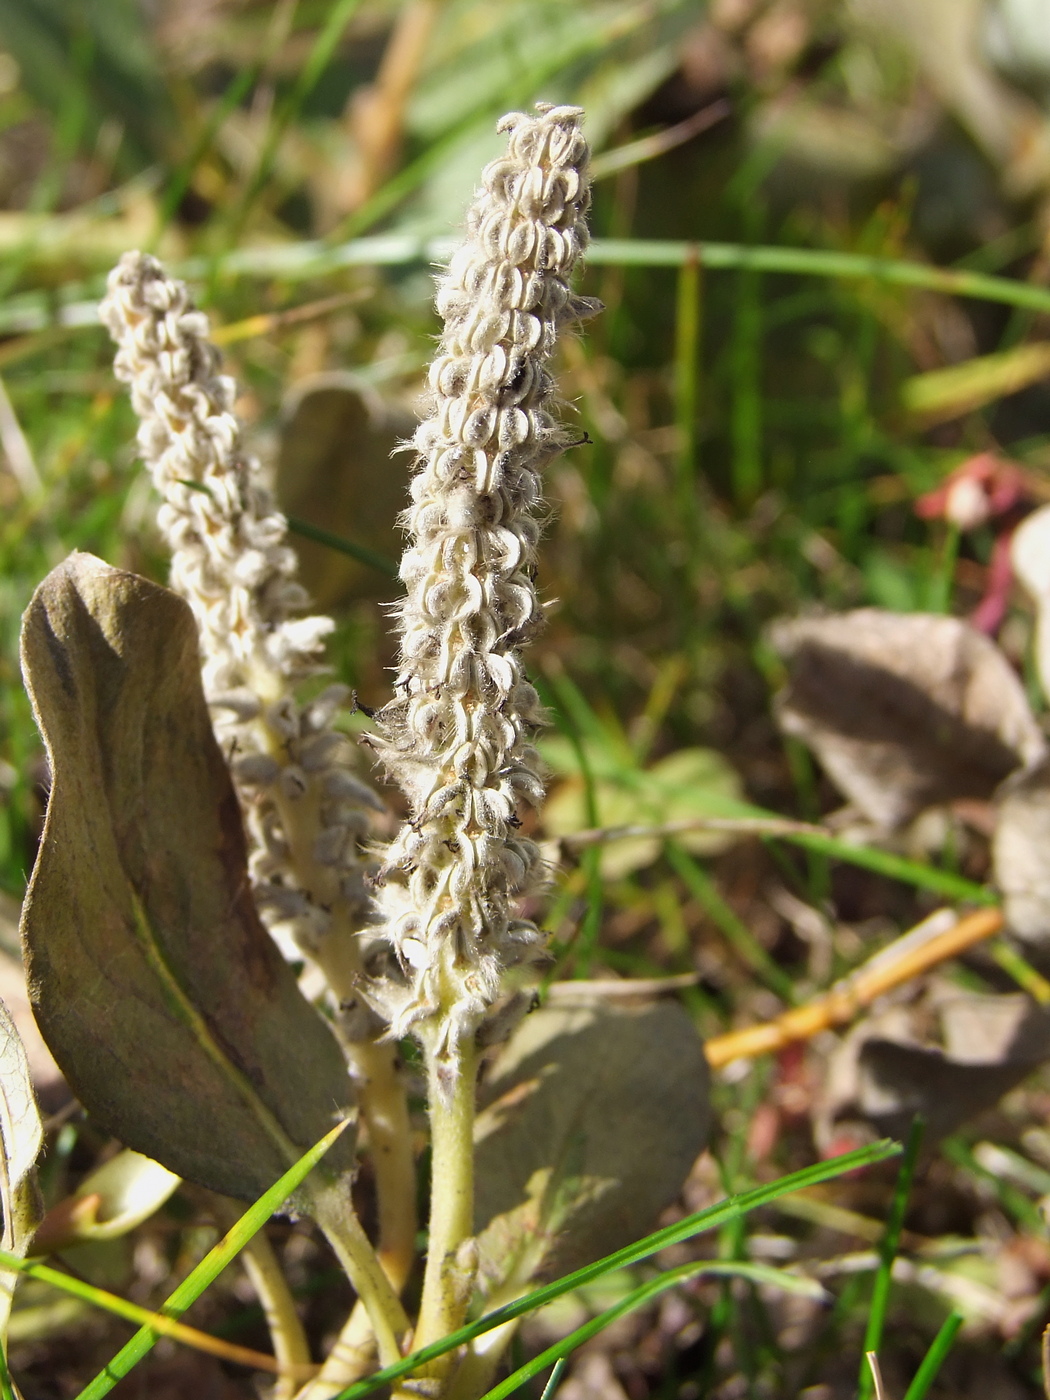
[
  {"x": 360, "y": 552},
  {"x": 887, "y": 1254},
  {"x": 183, "y": 176},
  {"x": 311, "y": 258},
  {"x": 909, "y": 872},
  {"x": 687, "y": 361},
  {"x": 560, "y": 695},
  {"x": 736, "y": 932},
  {"x": 210, "y": 1267},
  {"x": 746, "y": 400},
  {"x": 6, "y": 1388},
  {"x": 932, "y": 1361},
  {"x": 817, "y": 262},
  {"x": 710, "y": 1219},
  {"x": 317, "y": 61},
  {"x": 554, "y": 1377},
  {"x": 638, "y": 1297}
]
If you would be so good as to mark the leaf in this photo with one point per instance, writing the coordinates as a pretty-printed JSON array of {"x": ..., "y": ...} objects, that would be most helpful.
[
  {"x": 904, "y": 711},
  {"x": 166, "y": 1004},
  {"x": 23, "y": 1137},
  {"x": 338, "y": 468},
  {"x": 594, "y": 1119},
  {"x": 885, "y": 1071},
  {"x": 111, "y": 1201},
  {"x": 47, "y": 1079},
  {"x": 1020, "y": 844},
  {"x": 941, "y": 394},
  {"x": 689, "y": 783},
  {"x": 1030, "y": 558}
]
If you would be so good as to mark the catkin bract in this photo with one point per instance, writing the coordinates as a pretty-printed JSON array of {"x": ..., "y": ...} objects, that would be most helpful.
[
  {"x": 230, "y": 561},
  {"x": 457, "y": 735}
]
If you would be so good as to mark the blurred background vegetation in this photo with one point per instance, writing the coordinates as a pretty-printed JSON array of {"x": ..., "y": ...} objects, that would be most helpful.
[{"x": 752, "y": 443}]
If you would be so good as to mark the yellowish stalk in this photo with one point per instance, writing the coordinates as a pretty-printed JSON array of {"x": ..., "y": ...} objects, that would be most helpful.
[
  {"x": 290, "y": 1346},
  {"x": 889, "y": 969},
  {"x": 384, "y": 1108},
  {"x": 446, "y": 1292},
  {"x": 354, "y": 1251},
  {"x": 382, "y": 1098},
  {"x": 352, "y": 1357}
]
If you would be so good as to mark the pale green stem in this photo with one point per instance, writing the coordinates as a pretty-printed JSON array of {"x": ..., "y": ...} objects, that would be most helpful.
[
  {"x": 446, "y": 1292},
  {"x": 382, "y": 1097},
  {"x": 384, "y": 1108},
  {"x": 477, "y": 1371},
  {"x": 352, "y": 1357},
  {"x": 332, "y": 1210},
  {"x": 290, "y": 1346},
  {"x": 384, "y": 1111}
]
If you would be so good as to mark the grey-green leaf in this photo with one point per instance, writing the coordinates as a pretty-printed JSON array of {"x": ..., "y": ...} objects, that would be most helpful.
[
  {"x": 23, "y": 1137},
  {"x": 595, "y": 1116},
  {"x": 161, "y": 996}
]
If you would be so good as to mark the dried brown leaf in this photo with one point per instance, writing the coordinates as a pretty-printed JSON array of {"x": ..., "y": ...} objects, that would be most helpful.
[
  {"x": 887, "y": 1070},
  {"x": 1020, "y": 844},
  {"x": 338, "y": 468},
  {"x": 904, "y": 710}
]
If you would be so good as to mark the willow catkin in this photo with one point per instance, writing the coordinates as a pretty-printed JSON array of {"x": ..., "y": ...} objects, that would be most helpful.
[
  {"x": 457, "y": 736},
  {"x": 230, "y": 561}
]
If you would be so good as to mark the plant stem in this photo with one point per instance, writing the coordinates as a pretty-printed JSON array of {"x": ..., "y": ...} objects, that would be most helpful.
[
  {"x": 445, "y": 1295},
  {"x": 384, "y": 1108},
  {"x": 913, "y": 954},
  {"x": 384, "y": 1111},
  {"x": 335, "y": 1215},
  {"x": 351, "y": 1358},
  {"x": 290, "y": 1346},
  {"x": 381, "y": 1093}
]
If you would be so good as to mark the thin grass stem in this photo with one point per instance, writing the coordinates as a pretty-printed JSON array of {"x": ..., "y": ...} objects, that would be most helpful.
[
  {"x": 701, "y": 1221},
  {"x": 638, "y": 1297},
  {"x": 934, "y": 1358},
  {"x": 210, "y": 1267},
  {"x": 687, "y": 386},
  {"x": 887, "y": 1254},
  {"x": 737, "y": 934},
  {"x": 338, "y": 17}
]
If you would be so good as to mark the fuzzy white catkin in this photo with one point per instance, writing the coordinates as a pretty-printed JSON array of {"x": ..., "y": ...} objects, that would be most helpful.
[
  {"x": 304, "y": 805},
  {"x": 457, "y": 737}
]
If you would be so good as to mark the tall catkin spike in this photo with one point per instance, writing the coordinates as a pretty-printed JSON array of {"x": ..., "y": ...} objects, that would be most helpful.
[
  {"x": 229, "y": 560},
  {"x": 456, "y": 738}
]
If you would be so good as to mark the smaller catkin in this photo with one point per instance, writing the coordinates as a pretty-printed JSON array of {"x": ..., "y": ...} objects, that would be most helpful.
[
  {"x": 457, "y": 736},
  {"x": 305, "y": 806}
]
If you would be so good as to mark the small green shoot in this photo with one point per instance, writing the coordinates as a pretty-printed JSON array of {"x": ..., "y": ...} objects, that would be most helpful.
[
  {"x": 887, "y": 1254},
  {"x": 934, "y": 1358},
  {"x": 553, "y": 1380}
]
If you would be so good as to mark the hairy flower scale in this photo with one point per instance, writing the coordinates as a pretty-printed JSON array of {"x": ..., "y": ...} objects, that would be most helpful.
[
  {"x": 457, "y": 736},
  {"x": 229, "y": 560}
]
